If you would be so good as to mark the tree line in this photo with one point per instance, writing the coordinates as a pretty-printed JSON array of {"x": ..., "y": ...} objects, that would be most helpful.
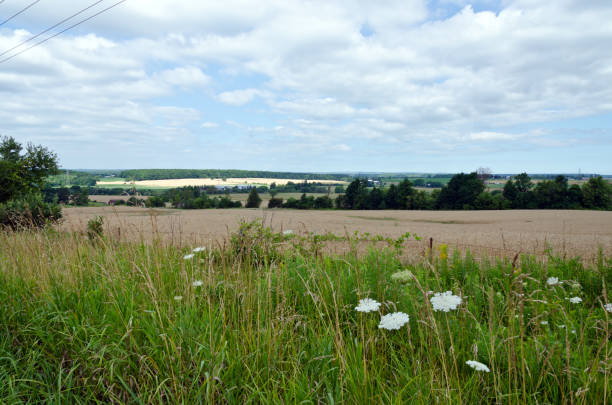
[
  {"x": 161, "y": 174},
  {"x": 467, "y": 192}
]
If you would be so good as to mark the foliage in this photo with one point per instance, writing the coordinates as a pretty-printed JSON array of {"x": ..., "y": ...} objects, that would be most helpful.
[
  {"x": 461, "y": 192},
  {"x": 254, "y": 200},
  {"x": 597, "y": 194},
  {"x": 23, "y": 173},
  {"x": 259, "y": 320},
  {"x": 158, "y": 174},
  {"x": 29, "y": 211}
]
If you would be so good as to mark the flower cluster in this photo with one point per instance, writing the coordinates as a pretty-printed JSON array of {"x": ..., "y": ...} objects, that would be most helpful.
[
  {"x": 608, "y": 307},
  {"x": 478, "y": 366},
  {"x": 445, "y": 301},
  {"x": 402, "y": 276},
  {"x": 553, "y": 281},
  {"x": 575, "y": 300},
  {"x": 367, "y": 305},
  {"x": 393, "y": 321}
]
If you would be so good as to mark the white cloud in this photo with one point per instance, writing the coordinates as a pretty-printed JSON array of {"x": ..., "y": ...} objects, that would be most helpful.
[
  {"x": 150, "y": 69},
  {"x": 209, "y": 125},
  {"x": 238, "y": 97}
]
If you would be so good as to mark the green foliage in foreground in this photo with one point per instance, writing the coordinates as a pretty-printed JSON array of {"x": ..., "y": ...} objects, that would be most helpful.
[{"x": 271, "y": 319}]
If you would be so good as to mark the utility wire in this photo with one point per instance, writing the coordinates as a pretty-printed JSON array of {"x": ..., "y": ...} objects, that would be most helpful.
[
  {"x": 17, "y": 13},
  {"x": 61, "y": 32},
  {"x": 50, "y": 28}
]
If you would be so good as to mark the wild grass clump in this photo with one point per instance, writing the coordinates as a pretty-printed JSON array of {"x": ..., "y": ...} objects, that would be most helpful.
[{"x": 263, "y": 321}]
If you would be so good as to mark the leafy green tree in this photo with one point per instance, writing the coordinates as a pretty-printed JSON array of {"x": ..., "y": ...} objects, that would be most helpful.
[
  {"x": 24, "y": 173},
  {"x": 253, "y": 200},
  {"x": 275, "y": 202},
  {"x": 597, "y": 194},
  {"x": 552, "y": 193},
  {"x": 461, "y": 191}
]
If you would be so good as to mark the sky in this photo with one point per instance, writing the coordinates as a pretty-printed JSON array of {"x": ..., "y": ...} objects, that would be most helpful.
[{"x": 314, "y": 86}]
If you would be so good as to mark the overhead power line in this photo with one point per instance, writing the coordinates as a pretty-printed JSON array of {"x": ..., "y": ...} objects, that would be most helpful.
[
  {"x": 50, "y": 28},
  {"x": 62, "y": 31},
  {"x": 17, "y": 13}
]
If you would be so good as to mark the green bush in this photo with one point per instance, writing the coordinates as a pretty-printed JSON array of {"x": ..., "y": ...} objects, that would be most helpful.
[{"x": 29, "y": 212}]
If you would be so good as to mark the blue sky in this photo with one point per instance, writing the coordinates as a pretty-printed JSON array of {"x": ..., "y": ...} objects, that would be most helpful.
[{"x": 394, "y": 86}]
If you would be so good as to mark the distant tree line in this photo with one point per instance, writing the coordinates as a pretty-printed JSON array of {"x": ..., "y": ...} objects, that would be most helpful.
[
  {"x": 467, "y": 192},
  {"x": 191, "y": 197},
  {"x": 160, "y": 174}
]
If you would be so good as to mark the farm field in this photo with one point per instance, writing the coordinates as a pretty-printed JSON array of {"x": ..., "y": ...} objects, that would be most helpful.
[
  {"x": 172, "y": 183},
  {"x": 571, "y": 233}
]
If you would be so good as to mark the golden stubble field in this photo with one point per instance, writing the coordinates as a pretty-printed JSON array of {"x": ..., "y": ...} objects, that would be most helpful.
[
  {"x": 172, "y": 183},
  {"x": 506, "y": 233}
]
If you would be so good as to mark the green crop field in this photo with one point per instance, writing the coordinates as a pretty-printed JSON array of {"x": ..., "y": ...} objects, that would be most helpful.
[{"x": 272, "y": 318}]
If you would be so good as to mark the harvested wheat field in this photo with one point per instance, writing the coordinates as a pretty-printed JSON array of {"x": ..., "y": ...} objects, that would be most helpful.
[{"x": 571, "y": 233}]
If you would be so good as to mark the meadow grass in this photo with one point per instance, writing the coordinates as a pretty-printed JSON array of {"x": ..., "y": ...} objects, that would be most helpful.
[{"x": 268, "y": 318}]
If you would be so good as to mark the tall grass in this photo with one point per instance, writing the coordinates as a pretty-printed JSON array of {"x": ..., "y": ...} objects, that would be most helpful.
[{"x": 85, "y": 320}]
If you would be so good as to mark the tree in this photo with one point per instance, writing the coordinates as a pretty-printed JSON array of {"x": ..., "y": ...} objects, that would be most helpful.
[
  {"x": 484, "y": 173},
  {"x": 461, "y": 192},
  {"x": 23, "y": 174},
  {"x": 253, "y": 201},
  {"x": 597, "y": 193}
]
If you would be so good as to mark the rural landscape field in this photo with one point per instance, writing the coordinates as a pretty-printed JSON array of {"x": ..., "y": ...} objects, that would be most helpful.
[{"x": 306, "y": 202}]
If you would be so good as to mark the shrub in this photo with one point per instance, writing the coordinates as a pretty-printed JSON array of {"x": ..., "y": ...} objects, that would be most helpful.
[{"x": 30, "y": 212}]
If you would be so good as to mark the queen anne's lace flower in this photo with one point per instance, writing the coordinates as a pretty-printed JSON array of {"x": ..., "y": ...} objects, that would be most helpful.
[
  {"x": 189, "y": 256},
  {"x": 608, "y": 307},
  {"x": 197, "y": 283},
  {"x": 393, "y": 321},
  {"x": 552, "y": 281},
  {"x": 199, "y": 249},
  {"x": 288, "y": 232},
  {"x": 478, "y": 366},
  {"x": 575, "y": 300},
  {"x": 367, "y": 305},
  {"x": 445, "y": 301}
]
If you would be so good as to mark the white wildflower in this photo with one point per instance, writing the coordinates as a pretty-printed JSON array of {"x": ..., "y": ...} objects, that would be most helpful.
[
  {"x": 561, "y": 326},
  {"x": 178, "y": 297},
  {"x": 575, "y": 300},
  {"x": 402, "y": 276},
  {"x": 393, "y": 321},
  {"x": 608, "y": 307},
  {"x": 189, "y": 256},
  {"x": 445, "y": 301},
  {"x": 553, "y": 281},
  {"x": 288, "y": 232},
  {"x": 197, "y": 283},
  {"x": 478, "y": 366},
  {"x": 543, "y": 322},
  {"x": 367, "y": 305},
  {"x": 199, "y": 249}
]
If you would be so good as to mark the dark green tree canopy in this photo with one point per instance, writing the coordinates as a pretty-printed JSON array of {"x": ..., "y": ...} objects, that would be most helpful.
[
  {"x": 23, "y": 172},
  {"x": 254, "y": 200}
]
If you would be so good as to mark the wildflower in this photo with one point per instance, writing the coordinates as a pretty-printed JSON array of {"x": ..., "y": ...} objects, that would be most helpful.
[
  {"x": 197, "y": 283},
  {"x": 188, "y": 257},
  {"x": 288, "y": 232},
  {"x": 543, "y": 322},
  {"x": 608, "y": 307},
  {"x": 199, "y": 249},
  {"x": 575, "y": 300},
  {"x": 178, "y": 297},
  {"x": 553, "y": 281},
  {"x": 561, "y": 326},
  {"x": 367, "y": 305},
  {"x": 393, "y": 321},
  {"x": 402, "y": 276},
  {"x": 445, "y": 301},
  {"x": 443, "y": 252},
  {"x": 478, "y": 366}
]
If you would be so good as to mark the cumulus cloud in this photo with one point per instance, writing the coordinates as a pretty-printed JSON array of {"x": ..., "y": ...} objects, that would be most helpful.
[{"x": 421, "y": 78}]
